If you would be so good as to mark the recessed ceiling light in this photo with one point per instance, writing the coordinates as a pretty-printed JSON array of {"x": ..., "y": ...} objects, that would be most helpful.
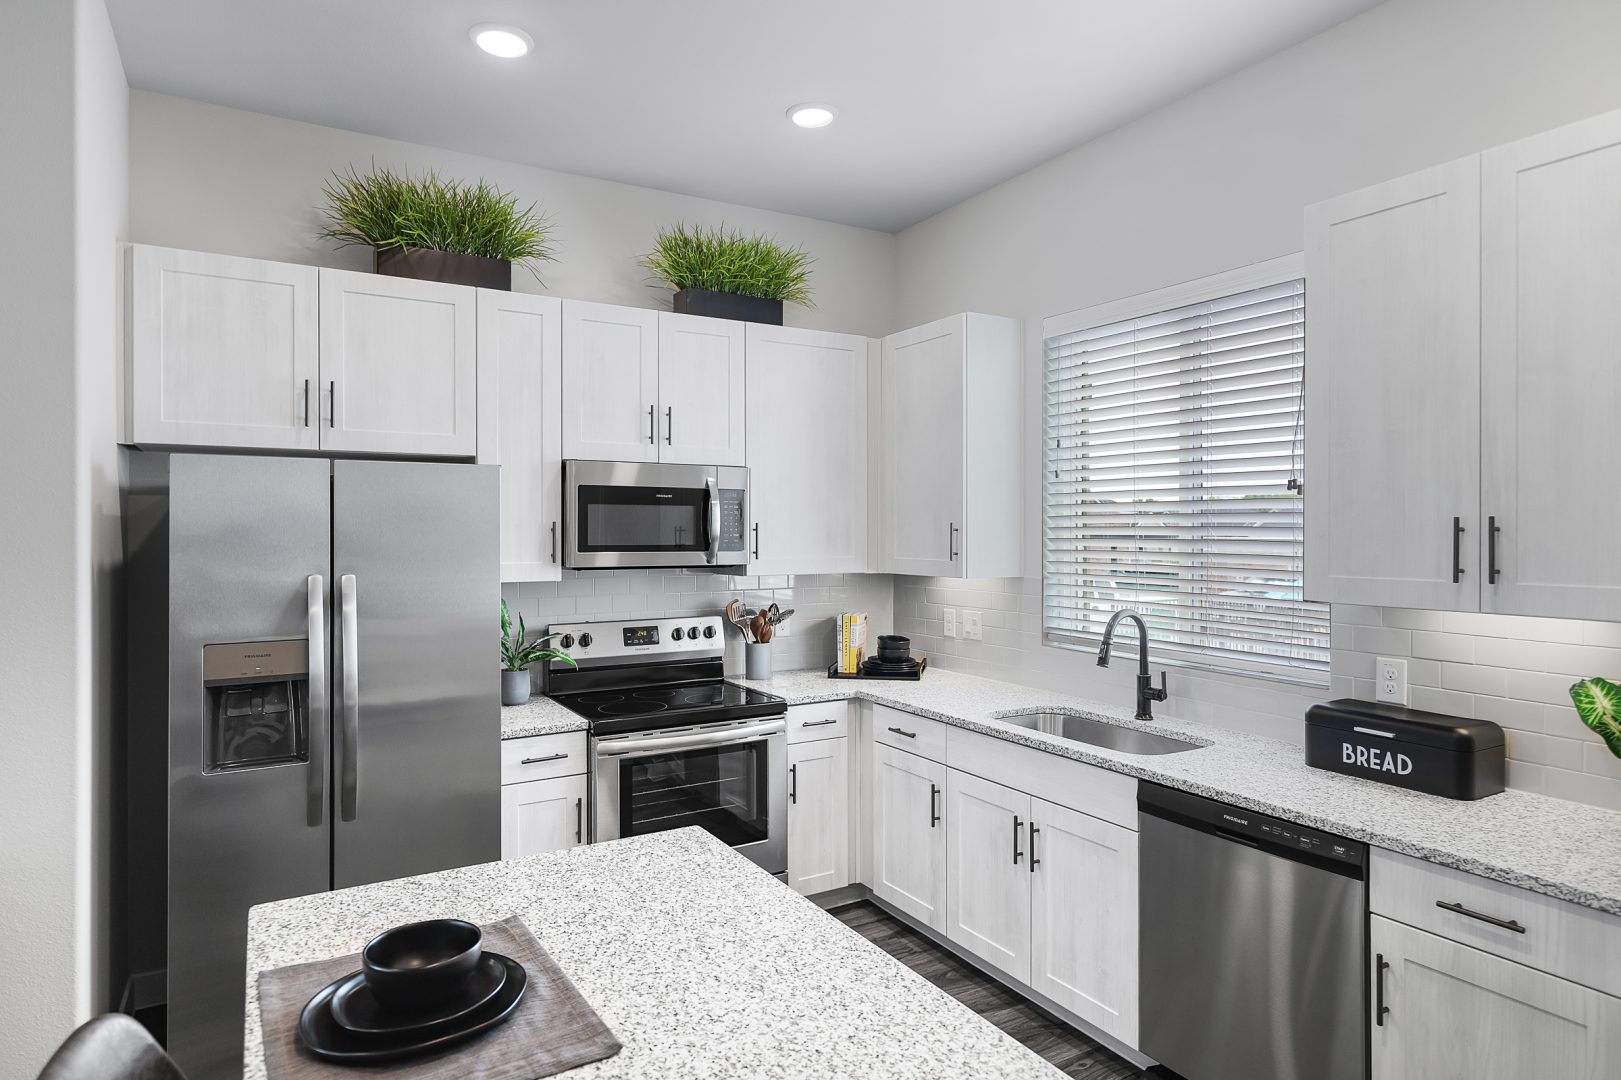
[
  {"x": 812, "y": 114},
  {"x": 507, "y": 42}
]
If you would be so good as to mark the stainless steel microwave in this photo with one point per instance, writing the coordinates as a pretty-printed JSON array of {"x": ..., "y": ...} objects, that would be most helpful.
[{"x": 636, "y": 514}]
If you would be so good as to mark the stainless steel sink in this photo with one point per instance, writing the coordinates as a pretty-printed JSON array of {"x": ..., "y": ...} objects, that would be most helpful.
[{"x": 1096, "y": 732}]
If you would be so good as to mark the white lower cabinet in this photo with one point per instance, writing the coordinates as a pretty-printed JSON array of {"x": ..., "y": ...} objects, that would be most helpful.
[
  {"x": 543, "y": 815},
  {"x": 988, "y": 872},
  {"x": 1083, "y": 917},
  {"x": 1457, "y": 1013},
  {"x": 908, "y": 834},
  {"x": 819, "y": 815}
]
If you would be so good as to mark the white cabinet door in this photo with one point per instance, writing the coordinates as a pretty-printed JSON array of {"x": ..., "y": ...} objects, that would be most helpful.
[
  {"x": 542, "y": 815},
  {"x": 610, "y": 382},
  {"x": 988, "y": 872},
  {"x": 922, "y": 456},
  {"x": 807, "y": 451},
  {"x": 909, "y": 834},
  {"x": 520, "y": 425},
  {"x": 1392, "y": 390},
  {"x": 1551, "y": 372},
  {"x": 1456, "y": 1013},
  {"x": 819, "y": 815},
  {"x": 222, "y": 351},
  {"x": 399, "y": 360},
  {"x": 701, "y": 390},
  {"x": 1083, "y": 911}
]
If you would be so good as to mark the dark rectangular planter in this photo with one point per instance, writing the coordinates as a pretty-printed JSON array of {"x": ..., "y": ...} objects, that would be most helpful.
[
  {"x": 426, "y": 264},
  {"x": 720, "y": 305}
]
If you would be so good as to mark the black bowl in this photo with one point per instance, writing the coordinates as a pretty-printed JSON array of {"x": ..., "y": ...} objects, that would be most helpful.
[
  {"x": 894, "y": 647},
  {"x": 422, "y": 964}
]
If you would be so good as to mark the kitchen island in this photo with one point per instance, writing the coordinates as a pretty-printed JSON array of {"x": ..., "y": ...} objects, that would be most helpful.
[{"x": 702, "y": 964}]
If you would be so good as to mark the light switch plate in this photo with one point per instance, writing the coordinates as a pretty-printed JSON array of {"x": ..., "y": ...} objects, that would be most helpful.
[
  {"x": 1390, "y": 680},
  {"x": 949, "y": 615},
  {"x": 973, "y": 628}
]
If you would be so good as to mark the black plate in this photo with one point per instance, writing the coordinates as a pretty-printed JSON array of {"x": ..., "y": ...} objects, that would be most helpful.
[
  {"x": 324, "y": 1037},
  {"x": 355, "y": 1007}
]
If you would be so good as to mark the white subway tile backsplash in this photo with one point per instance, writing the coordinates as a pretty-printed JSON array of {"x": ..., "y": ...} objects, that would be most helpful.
[
  {"x": 1383, "y": 641},
  {"x": 1473, "y": 679},
  {"x": 1433, "y": 699},
  {"x": 1458, "y": 648}
]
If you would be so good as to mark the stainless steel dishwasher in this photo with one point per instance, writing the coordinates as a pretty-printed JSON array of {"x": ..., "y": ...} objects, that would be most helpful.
[{"x": 1253, "y": 943}]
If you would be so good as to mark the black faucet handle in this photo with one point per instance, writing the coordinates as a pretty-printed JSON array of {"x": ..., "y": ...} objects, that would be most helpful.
[{"x": 1156, "y": 693}]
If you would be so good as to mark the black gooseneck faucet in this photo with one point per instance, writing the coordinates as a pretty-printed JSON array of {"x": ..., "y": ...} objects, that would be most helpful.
[{"x": 1147, "y": 692}]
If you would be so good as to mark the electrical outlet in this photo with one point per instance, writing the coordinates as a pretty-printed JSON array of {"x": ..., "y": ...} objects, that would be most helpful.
[
  {"x": 950, "y": 616},
  {"x": 1390, "y": 680},
  {"x": 972, "y": 628}
]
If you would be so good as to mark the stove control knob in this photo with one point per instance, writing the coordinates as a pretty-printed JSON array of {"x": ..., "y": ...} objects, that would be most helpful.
[
  {"x": 692, "y": 633},
  {"x": 585, "y": 641},
  {"x": 567, "y": 641},
  {"x": 678, "y": 633},
  {"x": 709, "y": 631}
]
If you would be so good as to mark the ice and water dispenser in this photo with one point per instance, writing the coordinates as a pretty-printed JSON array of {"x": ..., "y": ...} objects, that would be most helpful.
[{"x": 257, "y": 695}]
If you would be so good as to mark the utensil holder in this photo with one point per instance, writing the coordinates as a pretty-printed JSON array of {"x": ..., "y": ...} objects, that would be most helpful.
[{"x": 757, "y": 660}]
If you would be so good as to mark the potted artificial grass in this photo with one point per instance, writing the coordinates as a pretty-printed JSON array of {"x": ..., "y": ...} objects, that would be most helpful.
[
  {"x": 728, "y": 275},
  {"x": 433, "y": 229}
]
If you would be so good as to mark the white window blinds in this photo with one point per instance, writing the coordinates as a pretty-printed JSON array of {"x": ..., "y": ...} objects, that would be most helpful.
[{"x": 1173, "y": 461}]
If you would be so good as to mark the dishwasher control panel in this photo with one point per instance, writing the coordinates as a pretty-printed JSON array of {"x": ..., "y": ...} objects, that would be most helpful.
[{"x": 1245, "y": 825}]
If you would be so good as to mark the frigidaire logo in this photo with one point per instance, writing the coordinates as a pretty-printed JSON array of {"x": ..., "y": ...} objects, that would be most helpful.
[
  {"x": 1238, "y": 820},
  {"x": 1371, "y": 757},
  {"x": 255, "y": 656},
  {"x": 662, "y": 495}
]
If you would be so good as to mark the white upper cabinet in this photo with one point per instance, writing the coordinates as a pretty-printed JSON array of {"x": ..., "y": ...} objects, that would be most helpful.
[
  {"x": 1392, "y": 388},
  {"x": 222, "y": 351},
  {"x": 610, "y": 382},
  {"x": 950, "y": 449},
  {"x": 1551, "y": 372},
  {"x": 520, "y": 419},
  {"x": 700, "y": 390},
  {"x": 807, "y": 451},
  {"x": 399, "y": 361}
]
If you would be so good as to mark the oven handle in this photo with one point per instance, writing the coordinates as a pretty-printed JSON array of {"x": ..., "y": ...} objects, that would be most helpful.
[
  {"x": 748, "y": 733},
  {"x": 712, "y": 494}
]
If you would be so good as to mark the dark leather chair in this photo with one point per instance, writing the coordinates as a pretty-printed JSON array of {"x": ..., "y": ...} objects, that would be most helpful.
[{"x": 111, "y": 1047}]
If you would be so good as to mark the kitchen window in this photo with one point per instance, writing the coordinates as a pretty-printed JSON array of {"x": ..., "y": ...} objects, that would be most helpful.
[{"x": 1174, "y": 475}]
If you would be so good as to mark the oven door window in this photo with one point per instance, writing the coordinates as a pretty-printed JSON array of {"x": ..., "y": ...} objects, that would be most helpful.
[
  {"x": 641, "y": 519},
  {"x": 722, "y": 789}
]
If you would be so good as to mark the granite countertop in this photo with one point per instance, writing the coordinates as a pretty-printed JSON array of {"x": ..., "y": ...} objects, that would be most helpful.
[
  {"x": 1568, "y": 850},
  {"x": 702, "y": 964},
  {"x": 540, "y": 715}
]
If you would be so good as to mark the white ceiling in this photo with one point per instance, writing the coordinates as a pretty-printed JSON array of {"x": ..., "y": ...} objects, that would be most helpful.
[{"x": 937, "y": 99}]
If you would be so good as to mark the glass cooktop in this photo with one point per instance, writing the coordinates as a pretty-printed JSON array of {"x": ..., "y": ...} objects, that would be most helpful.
[{"x": 647, "y": 708}]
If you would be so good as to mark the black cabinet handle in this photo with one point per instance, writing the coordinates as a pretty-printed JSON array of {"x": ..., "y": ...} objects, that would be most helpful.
[
  {"x": 651, "y": 438},
  {"x": 548, "y": 757},
  {"x": 1457, "y": 550},
  {"x": 1018, "y": 832},
  {"x": 1492, "y": 529},
  {"x": 669, "y": 425},
  {"x": 793, "y": 783},
  {"x": 579, "y": 821},
  {"x": 819, "y": 723},
  {"x": 908, "y": 734},
  {"x": 934, "y": 806},
  {"x": 306, "y": 403},
  {"x": 1379, "y": 1006},
  {"x": 951, "y": 542},
  {"x": 756, "y": 539},
  {"x": 1035, "y": 831},
  {"x": 554, "y": 541},
  {"x": 1459, "y": 909},
  {"x": 332, "y": 399}
]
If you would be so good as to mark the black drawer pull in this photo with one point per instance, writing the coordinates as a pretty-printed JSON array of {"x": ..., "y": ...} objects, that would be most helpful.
[
  {"x": 822, "y": 723},
  {"x": 548, "y": 757},
  {"x": 1459, "y": 909},
  {"x": 908, "y": 734}
]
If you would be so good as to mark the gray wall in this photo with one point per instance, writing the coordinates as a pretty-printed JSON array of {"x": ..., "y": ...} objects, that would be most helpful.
[
  {"x": 63, "y": 175},
  {"x": 215, "y": 179}
]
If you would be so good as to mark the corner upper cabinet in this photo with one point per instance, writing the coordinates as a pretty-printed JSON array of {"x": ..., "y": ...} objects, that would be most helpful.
[
  {"x": 1551, "y": 373},
  {"x": 1392, "y": 390},
  {"x": 610, "y": 382},
  {"x": 950, "y": 449},
  {"x": 807, "y": 450},
  {"x": 520, "y": 419},
  {"x": 222, "y": 351},
  {"x": 399, "y": 363},
  {"x": 700, "y": 390}
]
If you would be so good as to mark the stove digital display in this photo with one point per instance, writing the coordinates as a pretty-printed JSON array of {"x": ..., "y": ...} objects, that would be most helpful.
[{"x": 641, "y": 635}]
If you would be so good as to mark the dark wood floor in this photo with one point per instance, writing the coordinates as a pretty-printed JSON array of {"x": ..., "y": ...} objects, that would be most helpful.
[{"x": 1059, "y": 1043}]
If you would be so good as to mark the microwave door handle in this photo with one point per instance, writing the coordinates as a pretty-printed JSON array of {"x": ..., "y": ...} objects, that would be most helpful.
[
  {"x": 316, "y": 688},
  {"x": 348, "y": 616},
  {"x": 712, "y": 494}
]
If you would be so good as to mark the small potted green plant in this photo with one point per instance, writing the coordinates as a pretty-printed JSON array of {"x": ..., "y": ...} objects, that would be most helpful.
[
  {"x": 1598, "y": 703},
  {"x": 517, "y": 653},
  {"x": 435, "y": 229},
  {"x": 728, "y": 275}
]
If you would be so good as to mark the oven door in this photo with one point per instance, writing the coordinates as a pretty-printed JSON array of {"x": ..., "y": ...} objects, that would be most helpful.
[
  {"x": 627, "y": 514},
  {"x": 729, "y": 778}
]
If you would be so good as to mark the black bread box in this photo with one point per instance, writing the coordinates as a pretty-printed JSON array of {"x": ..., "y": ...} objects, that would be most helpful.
[{"x": 1410, "y": 748}]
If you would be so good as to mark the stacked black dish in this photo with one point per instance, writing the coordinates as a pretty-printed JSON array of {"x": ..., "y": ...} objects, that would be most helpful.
[
  {"x": 420, "y": 987},
  {"x": 894, "y": 657}
]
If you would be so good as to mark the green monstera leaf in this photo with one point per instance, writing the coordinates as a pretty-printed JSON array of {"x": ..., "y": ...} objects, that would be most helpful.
[{"x": 1598, "y": 702}]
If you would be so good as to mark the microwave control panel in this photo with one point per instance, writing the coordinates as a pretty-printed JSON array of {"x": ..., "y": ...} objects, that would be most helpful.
[{"x": 732, "y": 512}]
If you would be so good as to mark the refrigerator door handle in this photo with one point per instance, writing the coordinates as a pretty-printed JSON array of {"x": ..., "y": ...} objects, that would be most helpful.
[
  {"x": 319, "y": 723},
  {"x": 347, "y": 635}
]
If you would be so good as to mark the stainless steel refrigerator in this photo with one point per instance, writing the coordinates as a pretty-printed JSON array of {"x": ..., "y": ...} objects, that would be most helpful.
[{"x": 314, "y": 700}]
